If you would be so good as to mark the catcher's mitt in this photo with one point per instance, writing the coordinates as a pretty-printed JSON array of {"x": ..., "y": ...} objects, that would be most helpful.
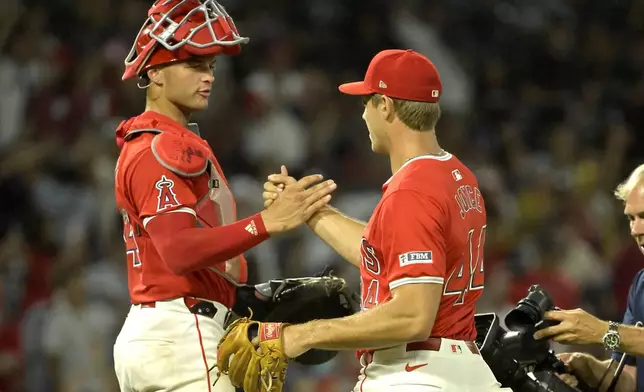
[
  {"x": 298, "y": 300},
  {"x": 251, "y": 354}
]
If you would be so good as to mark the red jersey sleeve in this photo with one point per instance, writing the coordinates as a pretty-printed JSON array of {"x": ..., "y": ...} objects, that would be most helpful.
[
  {"x": 413, "y": 239},
  {"x": 156, "y": 190}
]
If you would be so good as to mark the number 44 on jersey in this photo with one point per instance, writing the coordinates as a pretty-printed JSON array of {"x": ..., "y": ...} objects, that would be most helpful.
[{"x": 468, "y": 275}]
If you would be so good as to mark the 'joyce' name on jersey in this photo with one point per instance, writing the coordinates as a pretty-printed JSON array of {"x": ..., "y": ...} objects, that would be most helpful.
[{"x": 468, "y": 198}]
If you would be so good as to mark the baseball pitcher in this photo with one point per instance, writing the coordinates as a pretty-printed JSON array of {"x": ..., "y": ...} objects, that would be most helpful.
[{"x": 420, "y": 255}]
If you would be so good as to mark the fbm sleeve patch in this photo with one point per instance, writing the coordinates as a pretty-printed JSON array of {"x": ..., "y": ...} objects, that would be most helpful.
[{"x": 424, "y": 257}]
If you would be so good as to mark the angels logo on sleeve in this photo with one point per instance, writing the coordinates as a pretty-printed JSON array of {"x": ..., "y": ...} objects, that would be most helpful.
[{"x": 167, "y": 198}]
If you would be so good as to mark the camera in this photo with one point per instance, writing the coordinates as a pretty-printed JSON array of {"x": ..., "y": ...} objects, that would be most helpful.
[
  {"x": 530, "y": 310},
  {"x": 517, "y": 360}
]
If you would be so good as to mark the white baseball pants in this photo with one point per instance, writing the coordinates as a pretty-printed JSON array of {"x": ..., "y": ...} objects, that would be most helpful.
[
  {"x": 454, "y": 368},
  {"x": 167, "y": 348}
]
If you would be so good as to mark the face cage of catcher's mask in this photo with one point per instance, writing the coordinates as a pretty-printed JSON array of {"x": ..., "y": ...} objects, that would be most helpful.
[{"x": 212, "y": 11}]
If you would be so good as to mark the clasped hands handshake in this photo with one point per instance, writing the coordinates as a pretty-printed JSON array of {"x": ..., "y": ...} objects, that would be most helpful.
[
  {"x": 297, "y": 201},
  {"x": 255, "y": 355}
]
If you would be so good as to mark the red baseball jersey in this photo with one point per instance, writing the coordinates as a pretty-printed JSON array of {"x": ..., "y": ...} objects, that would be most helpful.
[
  {"x": 144, "y": 189},
  {"x": 429, "y": 227}
]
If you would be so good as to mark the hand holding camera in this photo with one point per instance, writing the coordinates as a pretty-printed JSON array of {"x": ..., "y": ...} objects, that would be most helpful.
[
  {"x": 518, "y": 360},
  {"x": 573, "y": 327},
  {"x": 579, "y": 366}
]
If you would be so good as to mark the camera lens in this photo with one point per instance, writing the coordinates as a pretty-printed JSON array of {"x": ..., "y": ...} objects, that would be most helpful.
[{"x": 529, "y": 310}]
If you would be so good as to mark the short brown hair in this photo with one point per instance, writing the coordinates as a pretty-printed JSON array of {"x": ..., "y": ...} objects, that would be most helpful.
[{"x": 419, "y": 116}]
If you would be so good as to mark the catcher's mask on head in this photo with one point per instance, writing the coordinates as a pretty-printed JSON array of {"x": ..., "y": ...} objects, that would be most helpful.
[{"x": 179, "y": 29}]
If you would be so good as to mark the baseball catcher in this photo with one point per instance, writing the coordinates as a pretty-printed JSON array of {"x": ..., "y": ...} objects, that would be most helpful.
[{"x": 251, "y": 351}]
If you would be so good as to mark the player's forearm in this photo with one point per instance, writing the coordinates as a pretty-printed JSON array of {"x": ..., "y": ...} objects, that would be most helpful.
[
  {"x": 385, "y": 325},
  {"x": 185, "y": 248},
  {"x": 340, "y": 232}
]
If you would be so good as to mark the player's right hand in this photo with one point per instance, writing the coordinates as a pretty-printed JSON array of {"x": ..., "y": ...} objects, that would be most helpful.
[{"x": 297, "y": 202}]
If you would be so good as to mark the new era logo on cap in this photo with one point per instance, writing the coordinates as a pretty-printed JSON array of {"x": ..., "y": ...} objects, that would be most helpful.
[{"x": 409, "y": 75}]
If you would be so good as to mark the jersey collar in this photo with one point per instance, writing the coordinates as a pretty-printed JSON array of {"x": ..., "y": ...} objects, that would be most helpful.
[
  {"x": 445, "y": 157},
  {"x": 192, "y": 127}
]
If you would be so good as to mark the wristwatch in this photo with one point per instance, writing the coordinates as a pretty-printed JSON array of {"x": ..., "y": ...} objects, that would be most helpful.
[{"x": 611, "y": 337}]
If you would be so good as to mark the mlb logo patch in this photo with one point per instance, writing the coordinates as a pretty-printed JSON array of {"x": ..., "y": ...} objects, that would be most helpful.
[
  {"x": 457, "y": 349},
  {"x": 457, "y": 175},
  {"x": 424, "y": 257}
]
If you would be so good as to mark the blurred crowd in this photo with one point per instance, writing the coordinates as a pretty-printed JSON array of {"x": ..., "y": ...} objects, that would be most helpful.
[{"x": 543, "y": 99}]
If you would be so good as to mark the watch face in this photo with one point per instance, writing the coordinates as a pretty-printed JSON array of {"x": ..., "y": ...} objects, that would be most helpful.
[{"x": 611, "y": 340}]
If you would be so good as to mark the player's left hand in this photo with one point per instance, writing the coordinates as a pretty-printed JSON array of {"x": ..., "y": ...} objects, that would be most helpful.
[
  {"x": 254, "y": 363},
  {"x": 576, "y": 327}
]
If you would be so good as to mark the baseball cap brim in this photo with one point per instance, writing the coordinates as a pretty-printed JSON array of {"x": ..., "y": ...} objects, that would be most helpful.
[{"x": 355, "y": 88}]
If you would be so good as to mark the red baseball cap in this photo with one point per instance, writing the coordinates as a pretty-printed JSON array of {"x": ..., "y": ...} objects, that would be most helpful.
[{"x": 402, "y": 74}]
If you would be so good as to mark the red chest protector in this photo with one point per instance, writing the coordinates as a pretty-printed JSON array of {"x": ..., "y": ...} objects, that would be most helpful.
[{"x": 186, "y": 154}]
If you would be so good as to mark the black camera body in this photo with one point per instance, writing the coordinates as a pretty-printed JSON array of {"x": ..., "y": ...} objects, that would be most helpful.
[{"x": 517, "y": 360}]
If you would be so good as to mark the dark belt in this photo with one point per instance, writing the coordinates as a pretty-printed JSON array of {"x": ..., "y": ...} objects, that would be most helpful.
[
  {"x": 431, "y": 344},
  {"x": 194, "y": 305},
  {"x": 434, "y": 344}
]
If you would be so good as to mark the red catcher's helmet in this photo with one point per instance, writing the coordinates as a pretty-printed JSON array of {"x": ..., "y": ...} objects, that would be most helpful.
[{"x": 179, "y": 29}]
